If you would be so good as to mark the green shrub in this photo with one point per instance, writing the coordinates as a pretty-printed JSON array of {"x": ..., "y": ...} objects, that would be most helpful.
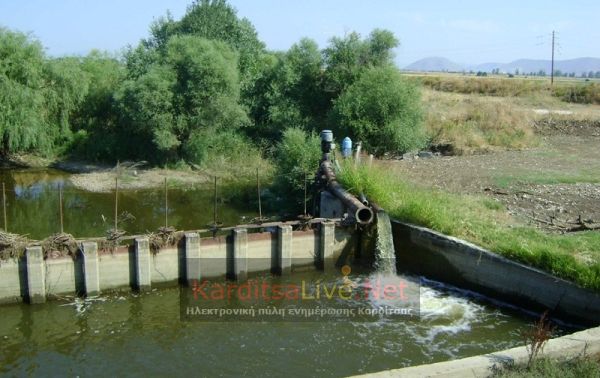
[
  {"x": 225, "y": 154},
  {"x": 297, "y": 154},
  {"x": 382, "y": 110}
]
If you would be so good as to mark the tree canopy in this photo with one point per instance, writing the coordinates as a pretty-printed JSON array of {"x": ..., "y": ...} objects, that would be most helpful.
[{"x": 204, "y": 84}]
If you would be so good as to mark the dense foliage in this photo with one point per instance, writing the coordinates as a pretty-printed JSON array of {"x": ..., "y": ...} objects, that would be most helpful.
[
  {"x": 381, "y": 110},
  {"x": 202, "y": 86}
]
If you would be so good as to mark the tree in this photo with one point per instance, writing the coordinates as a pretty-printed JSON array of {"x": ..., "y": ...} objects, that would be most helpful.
[
  {"x": 382, "y": 110},
  {"x": 193, "y": 90},
  {"x": 346, "y": 58},
  {"x": 218, "y": 21},
  {"x": 298, "y": 154},
  {"x": 37, "y": 95},
  {"x": 289, "y": 92}
]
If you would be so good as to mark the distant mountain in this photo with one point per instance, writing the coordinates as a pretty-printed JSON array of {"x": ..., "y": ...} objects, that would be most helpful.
[
  {"x": 579, "y": 65},
  {"x": 434, "y": 64}
]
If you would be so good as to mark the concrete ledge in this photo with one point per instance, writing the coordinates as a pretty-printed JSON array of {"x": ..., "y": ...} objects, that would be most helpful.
[
  {"x": 36, "y": 275},
  {"x": 91, "y": 273},
  {"x": 143, "y": 264},
  {"x": 34, "y": 278},
  {"x": 578, "y": 344},
  {"x": 327, "y": 257},
  {"x": 463, "y": 264},
  {"x": 284, "y": 249},
  {"x": 240, "y": 253},
  {"x": 192, "y": 257}
]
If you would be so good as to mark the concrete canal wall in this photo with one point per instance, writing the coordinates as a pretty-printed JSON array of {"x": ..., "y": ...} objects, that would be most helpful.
[
  {"x": 447, "y": 259},
  {"x": 577, "y": 345},
  {"x": 281, "y": 250}
]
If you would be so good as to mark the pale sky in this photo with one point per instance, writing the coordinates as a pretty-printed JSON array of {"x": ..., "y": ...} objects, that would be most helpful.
[{"x": 463, "y": 31}]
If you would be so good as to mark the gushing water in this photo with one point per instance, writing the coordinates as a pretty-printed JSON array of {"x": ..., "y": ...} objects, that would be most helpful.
[{"x": 385, "y": 255}]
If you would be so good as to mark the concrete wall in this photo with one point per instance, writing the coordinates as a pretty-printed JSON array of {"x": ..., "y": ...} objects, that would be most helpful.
[
  {"x": 244, "y": 251},
  {"x": 577, "y": 345},
  {"x": 447, "y": 259}
]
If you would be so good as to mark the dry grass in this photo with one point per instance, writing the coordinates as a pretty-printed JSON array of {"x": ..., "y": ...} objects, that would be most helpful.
[
  {"x": 472, "y": 124},
  {"x": 12, "y": 246},
  {"x": 163, "y": 237},
  {"x": 572, "y": 91},
  {"x": 59, "y": 245}
]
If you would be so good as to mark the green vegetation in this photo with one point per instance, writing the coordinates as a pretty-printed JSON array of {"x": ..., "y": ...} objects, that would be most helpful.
[
  {"x": 575, "y": 257},
  {"x": 548, "y": 368},
  {"x": 201, "y": 90},
  {"x": 373, "y": 110},
  {"x": 37, "y": 95},
  {"x": 298, "y": 154},
  {"x": 546, "y": 178}
]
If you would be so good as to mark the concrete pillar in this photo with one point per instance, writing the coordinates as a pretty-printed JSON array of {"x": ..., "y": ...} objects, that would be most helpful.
[
  {"x": 143, "y": 264},
  {"x": 284, "y": 249},
  {"x": 192, "y": 257},
  {"x": 327, "y": 241},
  {"x": 91, "y": 275},
  {"x": 240, "y": 253},
  {"x": 36, "y": 275}
]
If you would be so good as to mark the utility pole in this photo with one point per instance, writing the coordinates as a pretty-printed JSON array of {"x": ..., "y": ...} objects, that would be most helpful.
[{"x": 552, "y": 66}]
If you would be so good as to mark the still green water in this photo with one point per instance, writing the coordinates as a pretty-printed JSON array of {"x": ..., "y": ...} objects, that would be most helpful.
[
  {"x": 142, "y": 334},
  {"x": 32, "y": 198}
]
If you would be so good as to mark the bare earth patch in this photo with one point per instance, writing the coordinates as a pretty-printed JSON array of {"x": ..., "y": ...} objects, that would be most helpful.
[
  {"x": 104, "y": 180},
  {"x": 555, "y": 186}
]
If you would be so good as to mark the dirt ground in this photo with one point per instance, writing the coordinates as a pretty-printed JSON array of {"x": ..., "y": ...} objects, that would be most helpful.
[
  {"x": 102, "y": 179},
  {"x": 555, "y": 186}
]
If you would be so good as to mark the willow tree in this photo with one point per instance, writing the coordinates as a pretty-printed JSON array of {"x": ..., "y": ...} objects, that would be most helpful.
[
  {"x": 37, "y": 95},
  {"x": 194, "y": 89}
]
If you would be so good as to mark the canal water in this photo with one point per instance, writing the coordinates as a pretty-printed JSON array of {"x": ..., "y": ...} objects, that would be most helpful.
[
  {"x": 32, "y": 203},
  {"x": 142, "y": 334}
]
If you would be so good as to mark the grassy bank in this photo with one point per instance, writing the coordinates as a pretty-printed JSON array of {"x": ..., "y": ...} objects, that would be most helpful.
[{"x": 575, "y": 257}]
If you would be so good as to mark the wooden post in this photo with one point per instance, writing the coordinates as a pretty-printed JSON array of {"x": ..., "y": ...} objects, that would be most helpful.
[
  {"x": 116, "y": 200},
  {"x": 305, "y": 193},
  {"x": 357, "y": 154},
  {"x": 258, "y": 192},
  {"x": 215, "y": 205},
  {"x": 60, "y": 209},
  {"x": 166, "y": 205},
  {"x": 4, "y": 206}
]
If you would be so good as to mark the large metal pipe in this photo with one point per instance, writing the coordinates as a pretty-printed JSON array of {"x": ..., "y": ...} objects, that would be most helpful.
[{"x": 362, "y": 213}]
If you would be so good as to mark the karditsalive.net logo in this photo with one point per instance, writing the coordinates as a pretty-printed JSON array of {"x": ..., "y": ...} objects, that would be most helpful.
[{"x": 300, "y": 299}]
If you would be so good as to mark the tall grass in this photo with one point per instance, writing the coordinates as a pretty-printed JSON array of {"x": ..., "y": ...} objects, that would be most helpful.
[
  {"x": 568, "y": 90},
  {"x": 574, "y": 257},
  {"x": 476, "y": 124}
]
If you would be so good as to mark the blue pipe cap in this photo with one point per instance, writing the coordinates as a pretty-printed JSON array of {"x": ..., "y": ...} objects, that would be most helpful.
[
  {"x": 347, "y": 143},
  {"x": 327, "y": 136}
]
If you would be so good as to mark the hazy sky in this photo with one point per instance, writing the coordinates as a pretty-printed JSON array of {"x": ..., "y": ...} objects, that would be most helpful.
[{"x": 463, "y": 31}]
